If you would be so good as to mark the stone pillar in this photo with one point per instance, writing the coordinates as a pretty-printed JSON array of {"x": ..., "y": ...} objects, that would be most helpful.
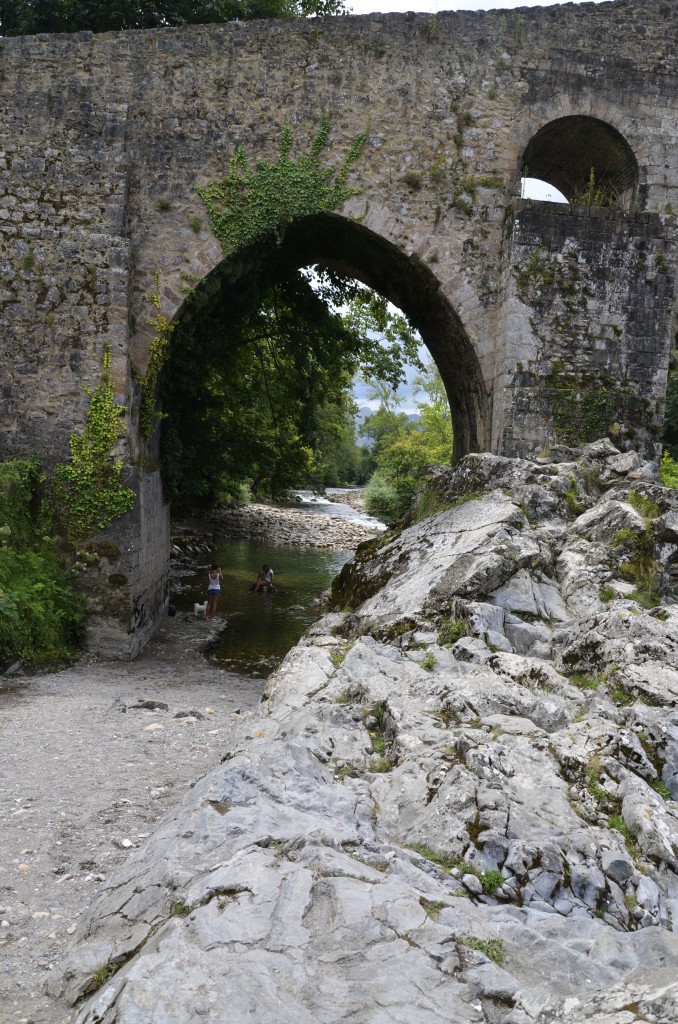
[{"x": 588, "y": 326}]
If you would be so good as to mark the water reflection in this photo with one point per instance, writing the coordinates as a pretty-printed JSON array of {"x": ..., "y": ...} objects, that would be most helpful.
[{"x": 263, "y": 627}]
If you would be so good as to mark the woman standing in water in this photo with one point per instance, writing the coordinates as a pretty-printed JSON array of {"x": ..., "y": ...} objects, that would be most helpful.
[{"x": 213, "y": 591}]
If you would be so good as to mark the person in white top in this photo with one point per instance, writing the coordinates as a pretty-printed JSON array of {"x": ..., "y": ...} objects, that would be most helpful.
[{"x": 214, "y": 578}]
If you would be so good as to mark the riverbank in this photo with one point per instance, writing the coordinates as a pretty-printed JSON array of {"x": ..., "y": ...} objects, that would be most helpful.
[
  {"x": 296, "y": 526},
  {"x": 92, "y": 757},
  {"x": 461, "y": 793}
]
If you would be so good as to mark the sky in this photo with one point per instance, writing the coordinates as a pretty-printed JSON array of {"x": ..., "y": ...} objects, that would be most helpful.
[{"x": 434, "y": 6}]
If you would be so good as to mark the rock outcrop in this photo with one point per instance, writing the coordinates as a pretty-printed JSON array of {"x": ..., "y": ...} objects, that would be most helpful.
[{"x": 457, "y": 801}]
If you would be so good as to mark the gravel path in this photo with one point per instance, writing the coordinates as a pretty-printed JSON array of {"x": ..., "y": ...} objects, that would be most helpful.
[{"x": 84, "y": 776}]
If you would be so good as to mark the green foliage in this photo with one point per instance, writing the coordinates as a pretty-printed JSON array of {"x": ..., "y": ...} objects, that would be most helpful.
[
  {"x": 537, "y": 274},
  {"x": 251, "y": 204},
  {"x": 640, "y": 567},
  {"x": 620, "y": 696},
  {"x": 571, "y": 496},
  {"x": 492, "y": 880},
  {"x": 645, "y": 598},
  {"x": 493, "y": 949},
  {"x": 451, "y": 631},
  {"x": 584, "y": 682},
  {"x": 385, "y": 500},
  {"x": 338, "y": 657},
  {"x": 157, "y": 357},
  {"x": 662, "y": 789},
  {"x": 404, "y": 452},
  {"x": 432, "y": 907},
  {"x": 593, "y": 771},
  {"x": 669, "y": 470},
  {"x": 648, "y": 509},
  {"x": 428, "y": 662},
  {"x": 443, "y": 860},
  {"x": 427, "y": 504},
  {"x": 100, "y": 977},
  {"x": 26, "y": 17},
  {"x": 617, "y": 823},
  {"x": 584, "y": 414},
  {"x": 670, "y": 432},
  {"x": 262, "y": 395},
  {"x": 180, "y": 909},
  {"x": 607, "y": 593},
  {"x": 41, "y": 618},
  {"x": 88, "y": 493},
  {"x": 19, "y": 481},
  {"x": 380, "y": 764},
  {"x": 595, "y": 193},
  {"x": 378, "y": 743}
]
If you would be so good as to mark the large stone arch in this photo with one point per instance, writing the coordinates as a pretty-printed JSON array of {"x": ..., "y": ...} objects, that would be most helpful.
[{"x": 354, "y": 250}]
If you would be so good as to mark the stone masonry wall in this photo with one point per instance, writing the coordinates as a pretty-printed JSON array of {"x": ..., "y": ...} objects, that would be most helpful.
[
  {"x": 587, "y": 326},
  {"x": 104, "y": 138}
]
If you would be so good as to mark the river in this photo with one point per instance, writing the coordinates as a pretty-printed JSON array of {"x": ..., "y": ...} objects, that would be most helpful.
[{"x": 261, "y": 628}]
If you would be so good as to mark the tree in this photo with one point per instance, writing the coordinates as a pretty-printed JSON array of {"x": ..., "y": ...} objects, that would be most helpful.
[
  {"x": 404, "y": 451},
  {"x": 26, "y": 17},
  {"x": 267, "y": 400}
]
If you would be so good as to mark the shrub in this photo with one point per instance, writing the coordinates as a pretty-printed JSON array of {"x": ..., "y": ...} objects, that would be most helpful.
[
  {"x": 385, "y": 501},
  {"x": 492, "y": 880},
  {"x": 491, "y": 948},
  {"x": 669, "y": 470},
  {"x": 41, "y": 617},
  {"x": 451, "y": 631}
]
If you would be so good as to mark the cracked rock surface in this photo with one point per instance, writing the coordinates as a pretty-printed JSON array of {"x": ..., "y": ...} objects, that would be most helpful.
[{"x": 457, "y": 802}]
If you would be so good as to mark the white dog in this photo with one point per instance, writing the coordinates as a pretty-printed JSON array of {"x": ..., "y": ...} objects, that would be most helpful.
[{"x": 200, "y": 609}]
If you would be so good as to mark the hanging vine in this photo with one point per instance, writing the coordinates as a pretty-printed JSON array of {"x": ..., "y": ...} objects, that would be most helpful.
[
  {"x": 251, "y": 203},
  {"x": 157, "y": 354},
  {"x": 88, "y": 493},
  {"x": 247, "y": 205}
]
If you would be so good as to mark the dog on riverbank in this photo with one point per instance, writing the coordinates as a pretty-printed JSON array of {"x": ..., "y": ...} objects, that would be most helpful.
[{"x": 200, "y": 609}]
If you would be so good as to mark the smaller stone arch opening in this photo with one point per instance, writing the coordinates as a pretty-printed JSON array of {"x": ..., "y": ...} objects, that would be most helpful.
[{"x": 584, "y": 158}]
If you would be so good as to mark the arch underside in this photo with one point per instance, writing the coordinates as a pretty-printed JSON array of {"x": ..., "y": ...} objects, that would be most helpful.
[{"x": 240, "y": 283}]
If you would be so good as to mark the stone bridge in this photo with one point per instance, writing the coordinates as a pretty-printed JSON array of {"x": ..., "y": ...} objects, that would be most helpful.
[{"x": 548, "y": 322}]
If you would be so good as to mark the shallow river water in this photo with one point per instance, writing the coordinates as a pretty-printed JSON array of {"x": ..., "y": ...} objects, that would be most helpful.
[{"x": 261, "y": 628}]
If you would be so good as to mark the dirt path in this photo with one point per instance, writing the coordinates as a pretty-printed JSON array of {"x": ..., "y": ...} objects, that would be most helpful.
[{"x": 83, "y": 778}]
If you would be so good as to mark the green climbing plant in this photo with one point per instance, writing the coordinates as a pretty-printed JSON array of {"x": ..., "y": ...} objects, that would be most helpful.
[
  {"x": 88, "y": 492},
  {"x": 157, "y": 356},
  {"x": 251, "y": 203},
  {"x": 248, "y": 204}
]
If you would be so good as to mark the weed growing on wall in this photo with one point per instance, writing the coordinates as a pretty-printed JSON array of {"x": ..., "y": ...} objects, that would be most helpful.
[
  {"x": 252, "y": 203},
  {"x": 157, "y": 355},
  {"x": 88, "y": 493}
]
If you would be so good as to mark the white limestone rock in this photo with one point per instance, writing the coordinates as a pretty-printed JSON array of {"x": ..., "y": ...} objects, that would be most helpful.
[{"x": 382, "y": 828}]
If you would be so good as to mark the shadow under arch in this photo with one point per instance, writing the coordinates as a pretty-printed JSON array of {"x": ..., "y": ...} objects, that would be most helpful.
[
  {"x": 563, "y": 152},
  {"x": 239, "y": 283}
]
